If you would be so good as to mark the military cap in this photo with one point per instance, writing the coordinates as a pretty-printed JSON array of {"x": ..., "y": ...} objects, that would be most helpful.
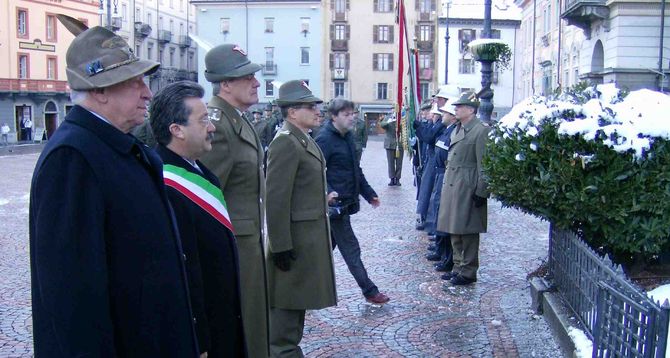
[
  {"x": 268, "y": 107},
  {"x": 448, "y": 107},
  {"x": 98, "y": 58},
  {"x": 447, "y": 91},
  {"x": 228, "y": 61},
  {"x": 295, "y": 92},
  {"x": 257, "y": 110},
  {"x": 467, "y": 99},
  {"x": 434, "y": 109}
]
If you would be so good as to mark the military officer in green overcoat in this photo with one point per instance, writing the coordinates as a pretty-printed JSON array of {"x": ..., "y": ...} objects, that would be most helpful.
[
  {"x": 394, "y": 150},
  {"x": 464, "y": 191},
  {"x": 236, "y": 159},
  {"x": 300, "y": 260}
]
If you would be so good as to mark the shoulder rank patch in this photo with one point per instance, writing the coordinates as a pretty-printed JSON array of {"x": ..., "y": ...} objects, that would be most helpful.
[{"x": 214, "y": 114}]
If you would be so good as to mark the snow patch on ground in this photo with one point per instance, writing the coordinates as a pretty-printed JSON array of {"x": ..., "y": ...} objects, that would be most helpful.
[{"x": 583, "y": 345}]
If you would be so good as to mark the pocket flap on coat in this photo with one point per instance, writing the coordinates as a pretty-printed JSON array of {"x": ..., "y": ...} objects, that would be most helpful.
[
  {"x": 307, "y": 215},
  {"x": 245, "y": 227}
]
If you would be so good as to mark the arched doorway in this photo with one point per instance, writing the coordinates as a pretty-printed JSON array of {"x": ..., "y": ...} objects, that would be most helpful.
[
  {"x": 50, "y": 118},
  {"x": 598, "y": 58}
]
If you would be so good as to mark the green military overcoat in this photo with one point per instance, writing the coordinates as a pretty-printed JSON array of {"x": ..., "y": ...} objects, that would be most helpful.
[
  {"x": 236, "y": 159},
  {"x": 463, "y": 178},
  {"x": 390, "y": 141},
  {"x": 298, "y": 221}
]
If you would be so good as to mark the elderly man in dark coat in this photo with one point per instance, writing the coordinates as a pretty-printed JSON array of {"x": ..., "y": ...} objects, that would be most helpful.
[
  {"x": 183, "y": 130},
  {"x": 236, "y": 159},
  {"x": 462, "y": 211},
  {"x": 300, "y": 256},
  {"x": 107, "y": 266}
]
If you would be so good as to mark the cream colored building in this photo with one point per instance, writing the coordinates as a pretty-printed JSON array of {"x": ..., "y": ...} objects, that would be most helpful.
[
  {"x": 361, "y": 46},
  {"x": 158, "y": 30},
  {"x": 33, "y": 45}
]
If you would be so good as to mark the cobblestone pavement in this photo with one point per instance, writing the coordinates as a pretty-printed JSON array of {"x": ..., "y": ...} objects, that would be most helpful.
[{"x": 491, "y": 318}]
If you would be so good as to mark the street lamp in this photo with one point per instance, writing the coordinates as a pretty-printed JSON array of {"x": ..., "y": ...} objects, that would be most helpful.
[
  {"x": 446, "y": 4},
  {"x": 486, "y": 94},
  {"x": 109, "y": 12}
]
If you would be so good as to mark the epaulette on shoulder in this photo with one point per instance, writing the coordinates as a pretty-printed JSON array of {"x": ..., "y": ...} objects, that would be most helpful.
[{"x": 214, "y": 114}]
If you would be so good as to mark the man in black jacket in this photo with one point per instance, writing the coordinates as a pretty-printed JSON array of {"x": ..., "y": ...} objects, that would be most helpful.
[
  {"x": 181, "y": 126},
  {"x": 107, "y": 266},
  {"x": 346, "y": 182}
]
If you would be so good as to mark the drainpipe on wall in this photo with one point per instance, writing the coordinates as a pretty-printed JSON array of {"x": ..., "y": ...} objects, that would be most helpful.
[
  {"x": 532, "y": 70},
  {"x": 661, "y": 76},
  {"x": 558, "y": 62},
  {"x": 246, "y": 24}
]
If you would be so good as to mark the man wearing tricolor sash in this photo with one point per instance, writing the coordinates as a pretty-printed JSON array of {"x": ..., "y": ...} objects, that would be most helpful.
[{"x": 180, "y": 123}]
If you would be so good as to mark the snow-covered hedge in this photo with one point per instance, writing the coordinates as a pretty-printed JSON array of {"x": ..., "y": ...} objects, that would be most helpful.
[{"x": 596, "y": 161}]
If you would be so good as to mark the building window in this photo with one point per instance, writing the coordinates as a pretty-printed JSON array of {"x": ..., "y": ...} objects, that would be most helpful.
[
  {"x": 425, "y": 60},
  {"x": 22, "y": 23},
  {"x": 191, "y": 62},
  {"x": 466, "y": 66},
  {"x": 269, "y": 57},
  {"x": 425, "y": 89},
  {"x": 51, "y": 28},
  {"x": 495, "y": 34},
  {"x": 269, "y": 88},
  {"x": 464, "y": 38},
  {"x": 224, "y": 23},
  {"x": 124, "y": 12},
  {"x": 382, "y": 91},
  {"x": 425, "y": 6},
  {"x": 340, "y": 32},
  {"x": 52, "y": 73},
  {"x": 547, "y": 86},
  {"x": 382, "y": 34},
  {"x": 339, "y": 60},
  {"x": 340, "y": 6},
  {"x": 269, "y": 24},
  {"x": 138, "y": 14},
  {"x": 425, "y": 33},
  {"x": 160, "y": 55},
  {"x": 150, "y": 51},
  {"x": 150, "y": 19},
  {"x": 338, "y": 89},
  {"x": 547, "y": 19},
  {"x": 382, "y": 6},
  {"x": 304, "y": 25},
  {"x": 24, "y": 66},
  {"x": 304, "y": 55},
  {"x": 382, "y": 61},
  {"x": 171, "y": 4},
  {"x": 171, "y": 57},
  {"x": 171, "y": 26}
]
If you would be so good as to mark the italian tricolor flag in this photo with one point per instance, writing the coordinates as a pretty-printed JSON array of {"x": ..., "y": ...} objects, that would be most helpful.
[{"x": 200, "y": 191}]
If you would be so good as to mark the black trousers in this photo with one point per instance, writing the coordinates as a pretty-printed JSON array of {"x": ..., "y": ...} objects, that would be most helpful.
[{"x": 345, "y": 239}]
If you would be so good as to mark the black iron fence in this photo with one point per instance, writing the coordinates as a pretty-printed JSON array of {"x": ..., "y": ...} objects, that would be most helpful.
[{"x": 619, "y": 317}]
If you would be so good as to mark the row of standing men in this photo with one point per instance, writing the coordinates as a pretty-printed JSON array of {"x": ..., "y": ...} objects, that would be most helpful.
[{"x": 162, "y": 252}]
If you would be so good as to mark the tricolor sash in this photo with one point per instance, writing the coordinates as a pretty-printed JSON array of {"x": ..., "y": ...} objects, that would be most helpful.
[{"x": 200, "y": 191}]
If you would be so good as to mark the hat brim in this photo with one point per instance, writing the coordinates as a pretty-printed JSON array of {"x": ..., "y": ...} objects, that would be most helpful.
[
  {"x": 309, "y": 99},
  {"x": 111, "y": 77},
  {"x": 248, "y": 69},
  {"x": 463, "y": 103}
]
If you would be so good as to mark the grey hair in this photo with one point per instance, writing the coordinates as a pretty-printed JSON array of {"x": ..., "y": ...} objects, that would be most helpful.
[
  {"x": 339, "y": 104},
  {"x": 77, "y": 97},
  {"x": 216, "y": 88}
]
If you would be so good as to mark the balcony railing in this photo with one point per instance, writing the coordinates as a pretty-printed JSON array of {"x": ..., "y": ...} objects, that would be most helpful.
[
  {"x": 425, "y": 45},
  {"x": 184, "y": 41},
  {"x": 426, "y": 16},
  {"x": 339, "y": 45},
  {"x": 340, "y": 16},
  {"x": 26, "y": 85},
  {"x": 426, "y": 74},
  {"x": 339, "y": 74},
  {"x": 142, "y": 30},
  {"x": 582, "y": 13},
  {"x": 269, "y": 68},
  {"x": 164, "y": 36}
]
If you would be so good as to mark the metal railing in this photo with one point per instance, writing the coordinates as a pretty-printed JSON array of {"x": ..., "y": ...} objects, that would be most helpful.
[{"x": 618, "y": 316}]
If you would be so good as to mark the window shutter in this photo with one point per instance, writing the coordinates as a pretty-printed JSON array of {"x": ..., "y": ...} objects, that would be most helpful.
[
  {"x": 417, "y": 32},
  {"x": 374, "y": 61},
  {"x": 346, "y": 60},
  {"x": 391, "y": 40},
  {"x": 332, "y": 32},
  {"x": 432, "y": 61},
  {"x": 374, "y": 91},
  {"x": 389, "y": 92},
  {"x": 375, "y": 34},
  {"x": 332, "y": 90},
  {"x": 432, "y": 33},
  {"x": 332, "y": 4},
  {"x": 374, "y": 4},
  {"x": 460, "y": 35},
  {"x": 332, "y": 61},
  {"x": 417, "y": 4},
  {"x": 348, "y": 31},
  {"x": 347, "y": 4},
  {"x": 433, "y": 5},
  {"x": 390, "y": 62}
]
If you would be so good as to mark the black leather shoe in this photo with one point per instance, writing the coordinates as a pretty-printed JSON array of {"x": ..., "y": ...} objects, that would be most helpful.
[
  {"x": 392, "y": 182},
  {"x": 420, "y": 224},
  {"x": 461, "y": 280},
  {"x": 397, "y": 182},
  {"x": 431, "y": 238},
  {"x": 443, "y": 266},
  {"x": 449, "y": 275},
  {"x": 432, "y": 247},
  {"x": 433, "y": 257}
]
